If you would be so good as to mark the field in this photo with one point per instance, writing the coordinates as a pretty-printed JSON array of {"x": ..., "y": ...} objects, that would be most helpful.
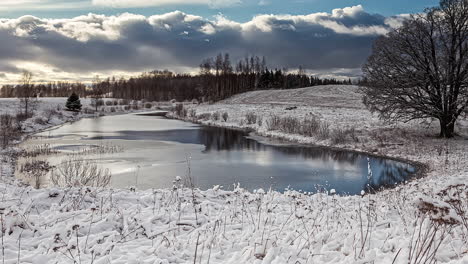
[{"x": 417, "y": 222}]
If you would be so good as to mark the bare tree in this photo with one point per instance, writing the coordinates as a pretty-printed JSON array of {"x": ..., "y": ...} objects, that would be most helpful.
[
  {"x": 6, "y": 129},
  {"x": 26, "y": 91},
  {"x": 97, "y": 92},
  {"x": 420, "y": 70}
]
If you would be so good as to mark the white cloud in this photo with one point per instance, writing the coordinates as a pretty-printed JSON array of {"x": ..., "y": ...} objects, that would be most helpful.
[
  {"x": 146, "y": 3},
  {"x": 9, "y": 5},
  {"x": 92, "y": 43}
]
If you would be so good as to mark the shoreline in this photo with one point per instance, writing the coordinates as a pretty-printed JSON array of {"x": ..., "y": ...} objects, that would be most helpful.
[{"x": 422, "y": 169}]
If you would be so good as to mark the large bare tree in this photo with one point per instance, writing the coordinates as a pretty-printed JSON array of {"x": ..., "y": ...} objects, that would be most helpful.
[{"x": 420, "y": 70}]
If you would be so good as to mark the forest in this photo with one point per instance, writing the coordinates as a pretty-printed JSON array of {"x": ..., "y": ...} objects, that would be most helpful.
[{"x": 217, "y": 79}]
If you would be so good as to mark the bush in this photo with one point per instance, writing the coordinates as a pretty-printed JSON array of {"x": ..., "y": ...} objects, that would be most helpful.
[
  {"x": 112, "y": 109},
  {"x": 126, "y": 107},
  {"x": 109, "y": 103},
  {"x": 88, "y": 111},
  {"x": 310, "y": 126},
  {"x": 20, "y": 116},
  {"x": 338, "y": 136},
  {"x": 259, "y": 121},
  {"x": 49, "y": 113},
  {"x": 75, "y": 172},
  {"x": 36, "y": 170},
  {"x": 40, "y": 120},
  {"x": 98, "y": 102},
  {"x": 192, "y": 113},
  {"x": 225, "y": 116},
  {"x": 324, "y": 131},
  {"x": 251, "y": 118},
  {"x": 148, "y": 105},
  {"x": 123, "y": 102},
  {"x": 178, "y": 109},
  {"x": 290, "y": 125},
  {"x": 215, "y": 116},
  {"x": 135, "y": 105},
  {"x": 115, "y": 102},
  {"x": 274, "y": 123},
  {"x": 204, "y": 116},
  {"x": 7, "y": 129},
  {"x": 183, "y": 113}
]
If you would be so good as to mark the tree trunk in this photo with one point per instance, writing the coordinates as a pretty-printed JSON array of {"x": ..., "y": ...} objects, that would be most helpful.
[{"x": 447, "y": 128}]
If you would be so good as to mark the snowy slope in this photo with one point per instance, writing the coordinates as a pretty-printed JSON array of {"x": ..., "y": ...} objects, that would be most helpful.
[{"x": 160, "y": 226}]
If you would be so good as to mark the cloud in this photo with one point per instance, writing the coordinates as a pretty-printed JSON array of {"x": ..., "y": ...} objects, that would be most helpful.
[
  {"x": 9, "y": 5},
  {"x": 130, "y": 43},
  {"x": 146, "y": 3}
]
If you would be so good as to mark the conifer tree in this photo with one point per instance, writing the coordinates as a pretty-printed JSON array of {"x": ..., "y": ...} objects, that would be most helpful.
[{"x": 73, "y": 102}]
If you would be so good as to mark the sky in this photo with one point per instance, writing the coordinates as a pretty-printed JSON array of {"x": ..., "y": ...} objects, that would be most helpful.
[{"x": 77, "y": 39}]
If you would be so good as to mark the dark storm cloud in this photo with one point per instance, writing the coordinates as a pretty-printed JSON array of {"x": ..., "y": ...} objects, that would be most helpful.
[{"x": 131, "y": 42}]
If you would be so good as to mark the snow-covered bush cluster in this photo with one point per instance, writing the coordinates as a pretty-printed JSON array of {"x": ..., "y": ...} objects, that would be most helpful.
[{"x": 89, "y": 225}]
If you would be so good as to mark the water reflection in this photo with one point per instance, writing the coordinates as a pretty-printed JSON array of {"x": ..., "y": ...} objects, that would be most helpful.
[{"x": 157, "y": 147}]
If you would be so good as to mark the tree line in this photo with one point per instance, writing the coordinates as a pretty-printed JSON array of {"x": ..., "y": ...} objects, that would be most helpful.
[{"x": 217, "y": 79}]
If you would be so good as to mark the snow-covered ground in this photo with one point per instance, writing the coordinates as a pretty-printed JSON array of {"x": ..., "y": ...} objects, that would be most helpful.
[{"x": 178, "y": 225}]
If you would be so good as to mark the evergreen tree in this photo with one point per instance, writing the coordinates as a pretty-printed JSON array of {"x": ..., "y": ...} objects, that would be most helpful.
[{"x": 73, "y": 102}]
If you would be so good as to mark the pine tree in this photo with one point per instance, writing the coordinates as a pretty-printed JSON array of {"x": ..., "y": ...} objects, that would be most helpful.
[{"x": 73, "y": 102}]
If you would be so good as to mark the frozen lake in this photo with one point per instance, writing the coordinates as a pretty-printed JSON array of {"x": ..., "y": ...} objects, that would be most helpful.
[{"x": 153, "y": 150}]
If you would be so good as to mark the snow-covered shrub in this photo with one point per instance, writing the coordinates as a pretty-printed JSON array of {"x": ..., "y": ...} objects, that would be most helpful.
[
  {"x": 225, "y": 116},
  {"x": 123, "y": 102},
  {"x": 40, "y": 120},
  {"x": 204, "y": 116},
  {"x": 109, "y": 103},
  {"x": 215, "y": 116},
  {"x": 77, "y": 172},
  {"x": 178, "y": 109},
  {"x": 274, "y": 122},
  {"x": 192, "y": 113},
  {"x": 112, "y": 109},
  {"x": 251, "y": 118},
  {"x": 310, "y": 126},
  {"x": 456, "y": 195},
  {"x": 20, "y": 116},
  {"x": 324, "y": 131},
  {"x": 51, "y": 112},
  {"x": 115, "y": 102},
  {"x": 35, "y": 170},
  {"x": 126, "y": 107},
  {"x": 434, "y": 224},
  {"x": 148, "y": 105},
  {"x": 338, "y": 136},
  {"x": 88, "y": 111},
  {"x": 98, "y": 102},
  {"x": 7, "y": 129},
  {"x": 290, "y": 125}
]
